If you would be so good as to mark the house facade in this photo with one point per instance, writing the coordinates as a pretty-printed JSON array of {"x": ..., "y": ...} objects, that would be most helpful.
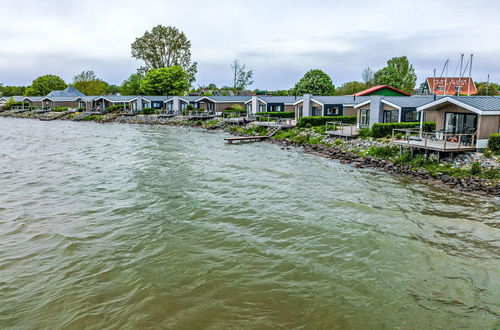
[
  {"x": 479, "y": 115},
  {"x": 391, "y": 109}
]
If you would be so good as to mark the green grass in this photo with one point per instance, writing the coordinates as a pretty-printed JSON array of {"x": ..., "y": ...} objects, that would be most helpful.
[{"x": 93, "y": 118}]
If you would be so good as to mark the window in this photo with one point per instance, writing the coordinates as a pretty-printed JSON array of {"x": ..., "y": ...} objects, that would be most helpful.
[
  {"x": 440, "y": 88},
  {"x": 332, "y": 111},
  {"x": 458, "y": 89},
  {"x": 210, "y": 106},
  {"x": 275, "y": 108},
  {"x": 316, "y": 111},
  {"x": 262, "y": 108},
  {"x": 391, "y": 116},
  {"x": 170, "y": 106},
  {"x": 156, "y": 105},
  {"x": 183, "y": 106},
  {"x": 249, "y": 108},
  {"x": 409, "y": 115}
]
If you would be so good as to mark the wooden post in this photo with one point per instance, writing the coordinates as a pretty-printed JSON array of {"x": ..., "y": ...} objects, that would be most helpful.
[
  {"x": 459, "y": 140},
  {"x": 445, "y": 138},
  {"x": 425, "y": 141}
]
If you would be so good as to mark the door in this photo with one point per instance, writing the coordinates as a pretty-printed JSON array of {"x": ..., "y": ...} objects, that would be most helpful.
[
  {"x": 460, "y": 123},
  {"x": 364, "y": 118}
]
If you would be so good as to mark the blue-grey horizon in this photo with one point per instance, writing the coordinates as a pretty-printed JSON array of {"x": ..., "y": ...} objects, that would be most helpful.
[{"x": 279, "y": 40}]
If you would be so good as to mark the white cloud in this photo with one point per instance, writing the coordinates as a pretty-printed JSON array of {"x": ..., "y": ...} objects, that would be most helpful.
[{"x": 279, "y": 39}]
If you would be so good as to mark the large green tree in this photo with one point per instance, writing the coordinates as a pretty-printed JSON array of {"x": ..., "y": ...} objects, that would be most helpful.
[
  {"x": 163, "y": 47},
  {"x": 132, "y": 85},
  {"x": 485, "y": 88},
  {"x": 12, "y": 90},
  {"x": 398, "y": 73},
  {"x": 315, "y": 82},
  {"x": 43, "y": 85},
  {"x": 165, "y": 81},
  {"x": 88, "y": 83},
  {"x": 241, "y": 77},
  {"x": 350, "y": 88}
]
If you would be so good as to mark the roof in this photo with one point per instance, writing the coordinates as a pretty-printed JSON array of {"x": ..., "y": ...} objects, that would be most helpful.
[
  {"x": 408, "y": 101},
  {"x": 448, "y": 85},
  {"x": 340, "y": 99},
  {"x": 483, "y": 105},
  {"x": 377, "y": 88},
  {"x": 16, "y": 98},
  {"x": 69, "y": 91},
  {"x": 236, "y": 98},
  {"x": 116, "y": 98},
  {"x": 280, "y": 99},
  {"x": 157, "y": 98}
]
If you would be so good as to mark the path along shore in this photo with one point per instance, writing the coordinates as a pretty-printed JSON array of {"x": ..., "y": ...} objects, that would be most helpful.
[{"x": 352, "y": 152}]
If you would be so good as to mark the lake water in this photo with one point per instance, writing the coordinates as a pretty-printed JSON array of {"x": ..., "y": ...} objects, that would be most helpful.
[{"x": 130, "y": 226}]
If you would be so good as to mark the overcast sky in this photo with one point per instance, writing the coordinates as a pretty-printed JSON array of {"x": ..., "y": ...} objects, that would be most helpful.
[{"x": 279, "y": 40}]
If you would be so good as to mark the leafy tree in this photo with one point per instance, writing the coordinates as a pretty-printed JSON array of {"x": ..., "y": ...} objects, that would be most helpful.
[
  {"x": 315, "y": 82},
  {"x": 43, "y": 85},
  {"x": 241, "y": 77},
  {"x": 484, "y": 88},
  {"x": 164, "y": 47},
  {"x": 398, "y": 73},
  {"x": 12, "y": 90},
  {"x": 113, "y": 89},
  {"x": 132, "y": 85},
  {"x": 165, "y": 81},
  {"x": 88, "y": 83},
  {"x": 350, "y": 88},
  {"x": 368, "y": 77}
]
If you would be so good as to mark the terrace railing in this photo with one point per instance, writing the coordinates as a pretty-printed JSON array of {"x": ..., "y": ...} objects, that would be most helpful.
[
  {"x": 437, "y": 139},
  {"x": 341, "y": 128}
]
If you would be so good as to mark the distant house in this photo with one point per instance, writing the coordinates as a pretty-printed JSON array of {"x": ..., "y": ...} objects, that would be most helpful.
[
  {"x": 449, "y": 86},
  {"x": 384, "y": 90},
  {"x": 390, "y": 109}
]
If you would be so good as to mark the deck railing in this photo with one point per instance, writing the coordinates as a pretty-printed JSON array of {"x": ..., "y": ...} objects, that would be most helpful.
[
  {"x": 433, "y": 139},
  {"x": 346, "y": 129}
]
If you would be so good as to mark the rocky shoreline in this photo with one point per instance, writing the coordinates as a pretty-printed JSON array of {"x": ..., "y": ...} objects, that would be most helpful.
[{"x": 471, "y": 185}]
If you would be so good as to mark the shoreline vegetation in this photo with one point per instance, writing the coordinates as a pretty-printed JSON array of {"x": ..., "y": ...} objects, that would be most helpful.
[{"x": 469, "y": 172}]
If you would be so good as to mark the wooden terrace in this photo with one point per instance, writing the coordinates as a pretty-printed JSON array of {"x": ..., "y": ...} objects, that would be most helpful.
[{"x": 435, "y": 141}]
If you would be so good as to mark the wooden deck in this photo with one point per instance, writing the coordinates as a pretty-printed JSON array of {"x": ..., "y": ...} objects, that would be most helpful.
[
  {"x": 242, "y": 139},
  {"x": 435, "y": 145}
]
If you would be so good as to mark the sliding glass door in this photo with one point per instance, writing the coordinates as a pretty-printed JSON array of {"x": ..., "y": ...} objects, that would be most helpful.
[{"x": 460, "y": 123}]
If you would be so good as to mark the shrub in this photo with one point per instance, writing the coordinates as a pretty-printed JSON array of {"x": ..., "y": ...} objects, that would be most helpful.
[
  {"x": 383, "y": 151},
  {"x": 189, "y": 107},
  {"x": 92, "y": 118},
  {"x": 59, "y": 109},
  {"x": 322, "y": 120},
  {"x": 364, "y": 133},
  {"x": 385, "y": 129},
  {"x": 237, "y": 107},
  {"x": 475, "y": 168},
  {"x": 278, "y": 114},
  {"x": 148, "y": 111},
  {"x": 116, "y": 107},
  {"x": 494, "y": 142}
]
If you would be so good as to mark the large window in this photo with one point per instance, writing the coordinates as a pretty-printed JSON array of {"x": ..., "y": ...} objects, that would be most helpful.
[
  {"x": 316, "y": 111},
  {"x": 460, "y": 123},
  {"x": 364, "y": 118},
  {"x": 391, "y": 116},
  {"x": 249, "y": 107},
  {"x": 332, "y": 111},
  {"x": 409, "y": 115},
  {"x": 275, "y": 108},
  {"x": 262, "y": 108}
]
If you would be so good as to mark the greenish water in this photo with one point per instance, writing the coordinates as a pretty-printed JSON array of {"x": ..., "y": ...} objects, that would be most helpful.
[{"x": 127, "y": 226}]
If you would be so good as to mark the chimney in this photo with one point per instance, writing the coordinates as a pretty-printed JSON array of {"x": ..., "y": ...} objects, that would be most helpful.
[
  {"x": 255, "y": 104},
  {"x": 176, "y": 104}
]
